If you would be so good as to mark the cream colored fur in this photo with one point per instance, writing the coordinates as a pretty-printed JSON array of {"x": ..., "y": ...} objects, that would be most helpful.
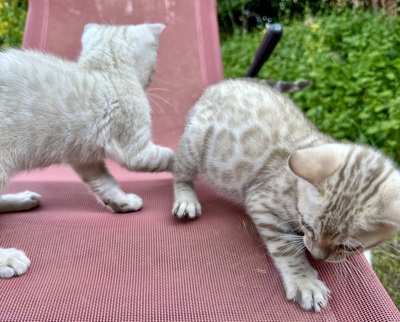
[{"x": 54, "y": 111}]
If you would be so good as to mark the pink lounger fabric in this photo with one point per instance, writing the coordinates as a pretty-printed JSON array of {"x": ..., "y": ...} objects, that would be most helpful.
[{"x": 91, "y": 265}]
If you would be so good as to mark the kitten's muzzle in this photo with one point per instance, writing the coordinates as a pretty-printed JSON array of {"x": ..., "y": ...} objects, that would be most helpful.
[
  {"x": 319, "y": 251},
  {"x": 327, "y": 253},
  {"x": 320, "y": 255}
]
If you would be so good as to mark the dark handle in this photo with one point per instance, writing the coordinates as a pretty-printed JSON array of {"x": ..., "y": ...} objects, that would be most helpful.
[{"x": 265, "y": 49}]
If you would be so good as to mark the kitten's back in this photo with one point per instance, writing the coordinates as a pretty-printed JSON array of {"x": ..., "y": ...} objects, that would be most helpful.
[
  {"x": 46, "y": 99},
  {"x": 238, "y": 128},
  {"x": 34, "y": 75},
  {"x": 240, "y": 104},
  {"x": 15, "y": 62}
]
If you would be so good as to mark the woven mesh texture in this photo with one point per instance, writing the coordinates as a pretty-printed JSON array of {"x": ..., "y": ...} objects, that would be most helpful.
[{"x": 91, "y": 265}]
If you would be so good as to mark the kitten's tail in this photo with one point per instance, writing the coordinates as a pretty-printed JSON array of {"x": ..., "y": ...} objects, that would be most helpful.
[{"x": 283, "y": 87}]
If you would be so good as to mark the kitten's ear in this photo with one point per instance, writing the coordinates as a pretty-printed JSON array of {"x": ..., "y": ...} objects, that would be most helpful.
[
  {"x": 89, "y": 30},
  {"x": 318, "y": 163},
  {"x": 156, "y": 29},
  {"x": 390, "y": 200},
  {"x": 89, "y": 26},
  {"x": 388, "y": 222}
]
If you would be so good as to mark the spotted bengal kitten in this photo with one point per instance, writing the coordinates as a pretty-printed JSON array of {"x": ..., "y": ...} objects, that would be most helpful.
[{"x": 258, "y": 149}]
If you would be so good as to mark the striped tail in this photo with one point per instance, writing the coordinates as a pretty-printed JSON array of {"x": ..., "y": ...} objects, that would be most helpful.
[{"x": 283, "y": 87}]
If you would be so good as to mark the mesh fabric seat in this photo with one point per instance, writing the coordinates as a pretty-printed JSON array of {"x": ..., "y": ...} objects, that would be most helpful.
[{"x": 91, "y": 265}]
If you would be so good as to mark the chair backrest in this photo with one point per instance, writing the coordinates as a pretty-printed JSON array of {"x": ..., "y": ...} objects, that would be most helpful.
[{"x": 189, "y": 52}]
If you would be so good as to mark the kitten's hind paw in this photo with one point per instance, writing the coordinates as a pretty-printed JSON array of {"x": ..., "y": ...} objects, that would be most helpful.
[
  {"x": 186, "y": 209},
  {"x": 310, "y": 293},
  {"x": 13, "y": 262}
]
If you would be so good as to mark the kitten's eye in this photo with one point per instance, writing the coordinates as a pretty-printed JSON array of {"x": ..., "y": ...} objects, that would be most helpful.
[
  {"x": 347, "y": 248},
  {"x": 308, "y": 227}
]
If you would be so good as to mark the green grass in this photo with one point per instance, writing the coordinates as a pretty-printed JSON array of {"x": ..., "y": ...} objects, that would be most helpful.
[
  {"x": 334, "y": 103},
  {"x": 386, "y": 263}
]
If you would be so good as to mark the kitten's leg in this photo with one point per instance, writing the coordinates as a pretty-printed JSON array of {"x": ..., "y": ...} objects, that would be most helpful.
[
  {"x": 17, "y": 201},
  {"x": 186, "y": 165},
  {"x": 186, "y": 203},
  {"x": 153, "y": 158},
  {"x": 299, "y": 278},
  {"x": 13, "y": 262},
  {"x": 106, "y": 188}
]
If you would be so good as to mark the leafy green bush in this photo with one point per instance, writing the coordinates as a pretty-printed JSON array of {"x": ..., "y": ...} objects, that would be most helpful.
[
  {"x": 12, "y": 21},
  {"x": 246, "y": 15},
  {"x": 353, "y": 60}
]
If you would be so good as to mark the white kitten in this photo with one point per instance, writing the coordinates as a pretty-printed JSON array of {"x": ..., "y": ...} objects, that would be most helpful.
[{"x": 54, "y": 111}]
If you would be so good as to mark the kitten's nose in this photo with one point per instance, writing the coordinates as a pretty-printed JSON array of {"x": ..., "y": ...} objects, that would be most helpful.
[
  {"x": 319, "y": 254},
  {"x": 321, "y": 258}
]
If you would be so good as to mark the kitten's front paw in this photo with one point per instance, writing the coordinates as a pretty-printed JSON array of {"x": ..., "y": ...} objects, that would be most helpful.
[
  {"x": 29, "y": 199},
  {"x": 125, "y": 203},
  {"x": 310, "y": 293},
  {"x": 186, "y": 209},
  {"x": 13, "y": 262},
  {"x": 20, "y": 201}
]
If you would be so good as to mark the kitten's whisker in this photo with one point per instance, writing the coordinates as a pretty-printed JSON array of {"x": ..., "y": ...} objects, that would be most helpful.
[
  {"x": 297, "y": 240},
  {"x": 162, "y": 80},
  {"x": 163, "y": 99},
  {"x": 336, "y": 250},
  {"x": 359, "y": 244},
  {"x": 154, "y": 96},
  {"x": 341, "y": 270},
  {"x": 299, "y": 251},
  {"x": 352, "y": 245},
  {"x": 348, "y": 270},
  {"x": 158, "y": 107},
  {"x": 155, "y": 104},
  {"x": 293, "y": 236},
  {"x": 287, "y": 221},
  {"x": 388, "y": 253},
  {"x": 279, "y": 224},
  {"x": 294, "y": 250},
  {"x": 357, "y": 271},
  {"x": 295, "y": 243},
  {"x": 392, "y": 247},
  {"x": 158, "y": 89}
]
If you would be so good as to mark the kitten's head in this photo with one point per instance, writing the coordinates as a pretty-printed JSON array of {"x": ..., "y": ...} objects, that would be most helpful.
[
  {"x": 348, "y": 199},
  {"x": 130, "y": 48}
]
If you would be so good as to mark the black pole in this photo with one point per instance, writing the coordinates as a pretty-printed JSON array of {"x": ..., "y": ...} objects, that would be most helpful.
[{"x": 265, "y": 49}]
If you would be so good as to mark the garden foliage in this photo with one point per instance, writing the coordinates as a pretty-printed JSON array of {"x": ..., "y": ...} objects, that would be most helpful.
[
  {"x": 12, "y": 21},
  {"x": 353, "y": 60},
  {"x": 247, "y": 15}
]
